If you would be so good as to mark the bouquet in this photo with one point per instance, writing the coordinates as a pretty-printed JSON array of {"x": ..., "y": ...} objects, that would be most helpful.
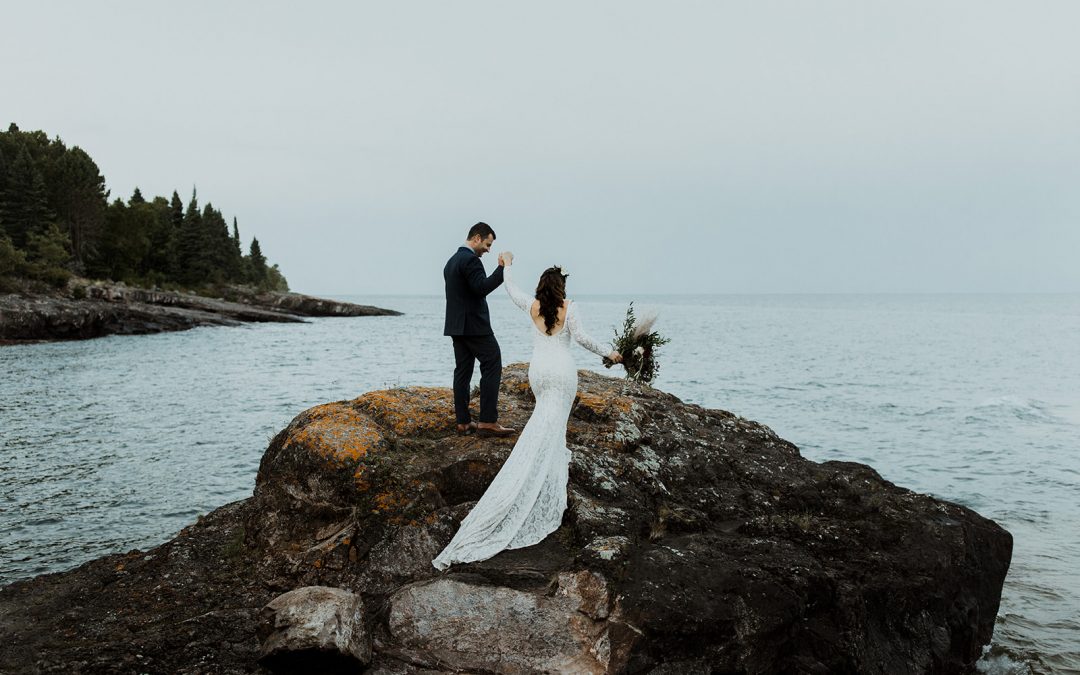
[{"x": 637, "y": 343}]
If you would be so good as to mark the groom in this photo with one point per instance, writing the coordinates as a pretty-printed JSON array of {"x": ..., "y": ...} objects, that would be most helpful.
[{"x": 469, "y": 325}]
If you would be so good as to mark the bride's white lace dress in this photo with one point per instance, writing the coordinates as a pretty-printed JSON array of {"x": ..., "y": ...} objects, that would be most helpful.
[{"x": 526, "y": 500}]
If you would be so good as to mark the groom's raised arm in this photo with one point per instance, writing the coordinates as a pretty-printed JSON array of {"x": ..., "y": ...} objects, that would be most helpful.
[{"x": 478, "y": 280}]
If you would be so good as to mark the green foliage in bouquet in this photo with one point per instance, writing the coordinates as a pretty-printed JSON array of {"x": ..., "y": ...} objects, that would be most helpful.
[{"x": 637, "y": 343}]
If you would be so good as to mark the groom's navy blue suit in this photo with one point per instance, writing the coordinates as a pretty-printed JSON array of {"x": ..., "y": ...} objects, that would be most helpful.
[{"x": 469, "y": 324}]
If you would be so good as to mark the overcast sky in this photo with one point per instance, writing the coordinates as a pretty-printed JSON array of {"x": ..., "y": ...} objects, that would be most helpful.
[{"x": 651, "y": 147}]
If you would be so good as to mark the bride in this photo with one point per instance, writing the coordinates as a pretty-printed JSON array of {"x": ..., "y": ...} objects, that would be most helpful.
[{"x": 526, "y": 500}]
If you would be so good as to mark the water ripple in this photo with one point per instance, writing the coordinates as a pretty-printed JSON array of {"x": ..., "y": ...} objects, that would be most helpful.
[{"x": 118, "y": 443}]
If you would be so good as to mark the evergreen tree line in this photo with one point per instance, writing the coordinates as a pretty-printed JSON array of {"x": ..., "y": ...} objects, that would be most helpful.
[{"x": 56, "y": 220}]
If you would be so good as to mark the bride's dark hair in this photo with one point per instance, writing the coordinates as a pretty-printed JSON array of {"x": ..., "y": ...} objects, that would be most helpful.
[{"x": 551, "y": 291}]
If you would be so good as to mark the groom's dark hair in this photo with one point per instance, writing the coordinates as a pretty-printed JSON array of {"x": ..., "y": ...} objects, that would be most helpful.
[{"x": 481, "y": 230}]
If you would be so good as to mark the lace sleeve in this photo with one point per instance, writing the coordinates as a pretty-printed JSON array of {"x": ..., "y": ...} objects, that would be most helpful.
[
  {"x": 520, "y": 298},
  {"x": 580, "y": 336}
]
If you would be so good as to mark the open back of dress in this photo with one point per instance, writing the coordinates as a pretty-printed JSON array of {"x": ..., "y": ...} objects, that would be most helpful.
[{"x": 526, "y": 500}]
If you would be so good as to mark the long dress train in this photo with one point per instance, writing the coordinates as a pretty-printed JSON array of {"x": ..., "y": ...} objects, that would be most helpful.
[{"x": 526, "y": 500}]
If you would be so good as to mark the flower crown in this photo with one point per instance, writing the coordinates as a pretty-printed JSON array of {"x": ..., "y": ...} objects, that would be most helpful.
[{"x": 561, "y": 270}]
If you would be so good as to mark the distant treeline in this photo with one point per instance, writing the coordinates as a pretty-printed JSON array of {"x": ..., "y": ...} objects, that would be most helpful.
[{"x": 56, "y": 220}]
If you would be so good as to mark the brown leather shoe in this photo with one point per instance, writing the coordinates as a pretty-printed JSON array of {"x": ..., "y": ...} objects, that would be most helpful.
[
  {"x": 497, "y": 431},
  {"x": 466, "y": 429}
]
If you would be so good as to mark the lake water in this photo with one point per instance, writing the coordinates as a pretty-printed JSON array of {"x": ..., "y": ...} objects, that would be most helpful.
[{"x": 117, "y": 443}]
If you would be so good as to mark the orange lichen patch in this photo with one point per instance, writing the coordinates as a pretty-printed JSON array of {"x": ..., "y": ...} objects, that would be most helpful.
[
  {"x": 412, "y": 411},
  {"x": 575, "y": 427},
  {"x": 337, "y": 433},
  {"x": 399, "y": 505},
  {"x": 605, "y": 406},
  {"x": 389, "y": 501}
]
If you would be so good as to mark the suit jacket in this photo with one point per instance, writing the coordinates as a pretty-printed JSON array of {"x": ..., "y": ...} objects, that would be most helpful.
[{"x": 467, "y": 287}]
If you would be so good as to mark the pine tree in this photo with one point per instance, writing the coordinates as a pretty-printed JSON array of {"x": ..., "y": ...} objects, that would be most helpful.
[
  {"x": 78, "y": 196},
  {"x": 191, "y": 266},
  {"x": 24, "y": 207},
  {"x": 3, "y": 183},
  {"x": 158, "y": 265},
  {"x": 236, "y": 255},
  {"x": 177, "y": 207},
  {"x": 136, "y": 198},
  {"x": 125, "y": 242},
  {"x": 216, "y": 243},
  {"x": 256, "y": 263}
]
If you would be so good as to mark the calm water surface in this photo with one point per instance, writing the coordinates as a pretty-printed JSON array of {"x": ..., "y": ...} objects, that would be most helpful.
[{"x": 117, "y": 443}]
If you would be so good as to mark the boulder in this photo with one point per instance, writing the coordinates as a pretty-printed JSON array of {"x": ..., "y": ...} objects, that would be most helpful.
[
  {"x": 721, "y": 542},
  {"x": 694, "y": 541},
  {"x": 470, "y": 627},
  {"x": 315, "y": 629}
]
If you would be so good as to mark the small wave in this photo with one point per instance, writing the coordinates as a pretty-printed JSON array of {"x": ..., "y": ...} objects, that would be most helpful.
[
  {"x": 1035, "y": 516},
  {"x": 1027, "y": 409},
  {"x": 44, "y": 521},
  {"x": 189, "y": 514},
  {"x": 939, "y": 410},
  {"x": 997, "y": 660},
  {"x": 1064, "y": 624},
  {"x": 1035, "y": 591}
]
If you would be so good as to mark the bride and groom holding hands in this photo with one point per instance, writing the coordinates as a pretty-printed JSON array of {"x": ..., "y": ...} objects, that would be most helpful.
[{"x": 526, "y": 500}]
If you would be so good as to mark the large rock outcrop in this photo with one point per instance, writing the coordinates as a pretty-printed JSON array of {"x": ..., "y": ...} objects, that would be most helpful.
[
  {"x": 95, "y": 309},
  {"x": 694, "y": 541}
]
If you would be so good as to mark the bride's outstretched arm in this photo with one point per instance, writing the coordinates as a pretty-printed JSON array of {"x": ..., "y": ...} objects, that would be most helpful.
[
  {"x": 520, "y": 298},
  {"x": 573, "y": 324}
]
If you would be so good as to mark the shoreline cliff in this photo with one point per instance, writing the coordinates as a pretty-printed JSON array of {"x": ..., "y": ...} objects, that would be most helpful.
[
  {"x": 88, "y": 309},
  {"x": 695, "y": 541}
]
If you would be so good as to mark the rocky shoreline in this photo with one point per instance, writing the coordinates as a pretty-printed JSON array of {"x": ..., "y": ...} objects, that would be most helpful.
[
  {"x": 695, "y": 541},
  {"x": 95, "y": 309}
]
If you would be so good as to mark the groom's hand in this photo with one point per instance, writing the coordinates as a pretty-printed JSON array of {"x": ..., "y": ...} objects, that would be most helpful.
[{"x": 506, "y": 258}]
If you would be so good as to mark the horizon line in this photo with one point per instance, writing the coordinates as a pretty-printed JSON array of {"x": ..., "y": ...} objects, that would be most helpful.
[{"x": 726, "y": 293}]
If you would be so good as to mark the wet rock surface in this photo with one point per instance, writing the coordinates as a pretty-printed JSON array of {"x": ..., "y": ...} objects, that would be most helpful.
[
  {"x": 115, "y": 309},
  {"x": 694, "y": 541}
]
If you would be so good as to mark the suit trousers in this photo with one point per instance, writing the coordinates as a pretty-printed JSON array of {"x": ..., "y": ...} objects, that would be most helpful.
[{"x": 467, "y": 350}]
